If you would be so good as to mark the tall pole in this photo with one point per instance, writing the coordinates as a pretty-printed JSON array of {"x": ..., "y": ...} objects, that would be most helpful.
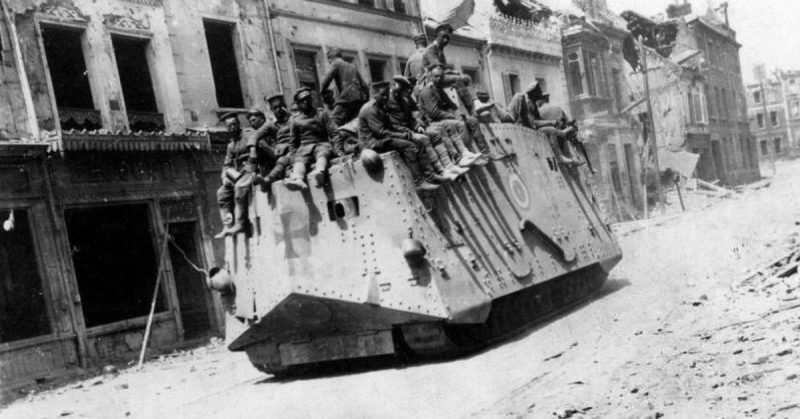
[
  {"x": 766, "y": 126},
  {"x": 652, "y": 123}
]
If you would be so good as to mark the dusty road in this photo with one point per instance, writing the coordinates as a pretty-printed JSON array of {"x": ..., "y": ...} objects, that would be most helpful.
[{"x": 675, "y": 333}]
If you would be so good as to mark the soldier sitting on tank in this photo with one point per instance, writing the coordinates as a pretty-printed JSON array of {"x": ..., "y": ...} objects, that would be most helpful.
[
  {"x": 274, "y": 139},
  {"x": 310, "y": 132},
  {"x": 353, "y": 91},
  {"x": 437, "y": 108},
  {"x": 524, "y": 108},
  {"x": 565, "y": 130},
  {"x": 238, "y": 175},
  {"x": 404, "y": 116},
  {"x": 375, "y": 132},
  {"x": 347, "y": 143},
  {"x": 487, "y": 111}
]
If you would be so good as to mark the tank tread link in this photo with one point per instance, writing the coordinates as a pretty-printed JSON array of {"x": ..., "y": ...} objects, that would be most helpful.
[{"x": 367, "y": 266}]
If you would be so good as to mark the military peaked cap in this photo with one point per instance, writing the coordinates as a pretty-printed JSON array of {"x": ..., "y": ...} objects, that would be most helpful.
[
  {"x": 255, "y": 111},
  {"x": 402, "y": 81},
  {"x": 444, "y": 27},
  {"x": 227, "y": 115},
  {"x": 379, "y": 85},
  {"x": 302, "y": 93},
  {"x": 419, "y": 38},
  {"x": 275, "y": 98}
]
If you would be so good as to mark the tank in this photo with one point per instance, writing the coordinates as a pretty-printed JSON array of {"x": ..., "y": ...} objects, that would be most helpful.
[{"x": 369, "y": 267}]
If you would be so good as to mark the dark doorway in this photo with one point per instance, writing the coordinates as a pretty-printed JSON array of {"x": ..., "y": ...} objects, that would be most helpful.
[
  {"x": 115, "y": 261},
  {"x": 192, "y": 294},
  {"x": 719, "y": 166},
  {"x": 377, "y": 69},
  {"x": 224, "y": 68},
  {"x": 22, "y": 304}
]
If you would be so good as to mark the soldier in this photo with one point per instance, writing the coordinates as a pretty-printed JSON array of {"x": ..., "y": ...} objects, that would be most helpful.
[
  {"x": 238, "y": 171},
  {"x": 524, "y": 109},
  {"x": 277, "y": 137},
  {"x": 376, "y": 132},
  {"x": 347, "y": 141},
  {"x": 310, "y": 131},
  {"x": 415, "y": 67},
  {"x": 486, "y": 111},
  {"x": 570, "y": 134},
  {"x": 350, "y": 85},
  {"x": 434, "y": 53},
  {"x": 328, "y": 100},
  {"x": 441, "y": 111},
  {"x": 404, "y": 116}
]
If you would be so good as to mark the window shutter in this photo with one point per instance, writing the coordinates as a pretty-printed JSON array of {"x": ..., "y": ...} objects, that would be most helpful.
[{"x": 507, "y": 88}]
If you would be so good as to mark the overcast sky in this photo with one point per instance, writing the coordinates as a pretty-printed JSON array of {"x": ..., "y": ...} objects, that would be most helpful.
[{"x": 769, "y": 30}]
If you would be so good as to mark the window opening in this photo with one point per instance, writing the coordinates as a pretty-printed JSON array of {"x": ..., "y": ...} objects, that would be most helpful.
[
  {"x": 306, "y": 67},
  {"x": 757, "y": 97},
  {"x": 764, "y": 148},
  {"x": 773, "y": 118},
  {"x": 760, "y": 120},
  {"x": 777, "y": 145},
  {"x": 400, "y": 6},
  {"x": 377, "y": 69},
  {"x": 224, "y": 68},
  {"x": 69, "y": 76},
  {"x": 137, "y": 86},
  {"x": 574, "y": 69},
  {"x": 115, "y": 261},
  {"x": 22, "y": 304}
]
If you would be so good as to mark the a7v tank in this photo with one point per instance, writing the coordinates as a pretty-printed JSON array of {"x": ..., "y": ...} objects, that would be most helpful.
[{"x": 367, "y": 266}]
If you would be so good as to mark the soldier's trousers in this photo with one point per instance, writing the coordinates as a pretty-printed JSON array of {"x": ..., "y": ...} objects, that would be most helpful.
[
  {"x": 343, "y": 112},
  {"x": 417, "y": 160},
  {"x": 454, "y": 135},
  {"x": 232, "y": 197}
]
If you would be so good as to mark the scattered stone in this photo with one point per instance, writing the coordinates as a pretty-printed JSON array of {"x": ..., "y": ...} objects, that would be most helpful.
[
  {"x": 97, "y": 382},
  {"x": 696, "y": 303},
  {"x": 784, "y": 352},
  {"x": 703, "y": 297},
  {"x": 67, "y": 413},
  {"x": 738, "y": 351},
  {"x": 792, "y": 377},
  {"x": 634, "y": 390},
  {"x": 789, "y": 407},
  {"x": 110, "y": 371},
  {"x": 576, "y": 383},
  {"x": 558, "y": 355},
  {"x": 122, "y": 386}
]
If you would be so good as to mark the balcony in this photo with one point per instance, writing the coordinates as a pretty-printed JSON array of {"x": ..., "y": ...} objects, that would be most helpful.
[
  {"x": 146, "y": 121},
  {"x": 79, "y": 119}
]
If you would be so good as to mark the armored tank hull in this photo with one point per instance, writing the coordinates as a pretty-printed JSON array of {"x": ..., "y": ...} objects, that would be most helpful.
[{"x": 367, "y": 266}]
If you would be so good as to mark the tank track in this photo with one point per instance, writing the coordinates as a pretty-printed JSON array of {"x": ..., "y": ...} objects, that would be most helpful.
[{"x": 510, "y": 315}]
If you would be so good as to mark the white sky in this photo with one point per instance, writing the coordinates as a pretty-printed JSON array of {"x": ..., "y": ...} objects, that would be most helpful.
[{"x": 767, "y": 29}]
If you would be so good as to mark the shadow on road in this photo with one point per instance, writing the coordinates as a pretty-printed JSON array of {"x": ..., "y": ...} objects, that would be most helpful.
[{"x": 402, "y": 360}]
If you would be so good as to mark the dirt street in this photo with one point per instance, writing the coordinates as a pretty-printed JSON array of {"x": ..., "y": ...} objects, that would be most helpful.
[{"x": 677, "y": 332}]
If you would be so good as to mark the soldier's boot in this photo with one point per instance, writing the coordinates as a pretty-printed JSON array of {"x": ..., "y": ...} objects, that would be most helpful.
[
  {"x": 427, "y": 159},
  {"x": 227, "y": 222},
  {"x": 295, "y": 181},
  {"x": 449, "y": 169},
  {"x": 263, "y": 182},
  {"x": 320, "y": 172},
  {"x": 240, "y": 224},
  {"x": 419, "y": 178},
  {"x": 559, "y": 155}
]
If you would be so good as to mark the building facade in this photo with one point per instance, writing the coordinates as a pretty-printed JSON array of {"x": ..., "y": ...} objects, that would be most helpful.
[{"x": 773, "y": 108}]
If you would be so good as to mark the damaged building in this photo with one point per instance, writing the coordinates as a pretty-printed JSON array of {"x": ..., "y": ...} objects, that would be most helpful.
[{"x": 698, "y": 59}]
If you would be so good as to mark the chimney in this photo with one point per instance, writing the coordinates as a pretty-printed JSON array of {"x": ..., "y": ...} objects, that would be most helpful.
[{"x": 679, "y": 9}]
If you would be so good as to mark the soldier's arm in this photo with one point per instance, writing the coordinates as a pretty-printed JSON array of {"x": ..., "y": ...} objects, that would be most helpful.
[
  {"x": 326, "y": 81},
  {"x": 503, "y": 115},
  {"x": 374, "y": 123},
  {"x": 432, "y": 107}
]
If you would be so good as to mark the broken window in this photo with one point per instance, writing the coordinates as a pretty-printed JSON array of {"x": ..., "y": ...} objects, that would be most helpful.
[
  {"x": 224, "y": 67},
  {"x": 574, "y": 73},
  {"x": 773, "y": 118},
  {"x": 377, "y": 69},
  {"x": 137, "y": 86},
  {"x": 113, "y": 251},
  {"x": 400, "y": 6},
  {"x": 22, "y": 304},
  {"x": 306, "y": 67},
  {"x": 64, "y": 52}
]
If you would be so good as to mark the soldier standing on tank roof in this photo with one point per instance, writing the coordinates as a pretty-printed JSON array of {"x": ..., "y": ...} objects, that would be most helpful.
[
  {"x": 350, "y": 85},
  {"x": 376, "y": 132},
  {"x": 310, "y": 131},
  {"x": 238, "y": 174},
  {"x": 415, "y": 67}
]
